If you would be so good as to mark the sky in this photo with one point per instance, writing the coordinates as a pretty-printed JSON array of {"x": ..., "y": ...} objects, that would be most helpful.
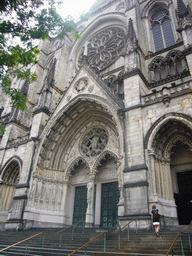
[{"x": 75, "y": 8}]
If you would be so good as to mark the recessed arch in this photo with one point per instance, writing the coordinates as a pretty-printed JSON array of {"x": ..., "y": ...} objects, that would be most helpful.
[
  {"x": 101, "y": 157},
  {"x": 169, "y": 145},
  {"x": 149, "y": 138},
  {"x": 9, "y": 180},
  {"x": 150, "y": 5},
  {"x": 96, "y": 110}
]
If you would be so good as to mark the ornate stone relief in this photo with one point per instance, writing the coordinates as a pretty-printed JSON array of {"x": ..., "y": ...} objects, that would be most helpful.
[
  {"x": 46, "y": 193},
  {"x": 94, "y": 142},
  {"x": 91, "y": 88},
  {"x": 81, "y": 85},
  {"x": 170, "y": 92},
  {"x": 103, "y": 48}
]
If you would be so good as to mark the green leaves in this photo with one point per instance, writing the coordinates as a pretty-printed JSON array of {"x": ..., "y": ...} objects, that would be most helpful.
[{"x": 23, "y": 23}]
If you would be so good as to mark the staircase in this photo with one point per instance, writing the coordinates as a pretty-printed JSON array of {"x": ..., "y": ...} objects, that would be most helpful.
[{"x": 142, "y": 243}]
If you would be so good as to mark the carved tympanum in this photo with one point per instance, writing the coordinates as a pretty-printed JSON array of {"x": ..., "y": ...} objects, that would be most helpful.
[
  {"x": 93, "y": 143},
  {"x": 103, "y": 48}
]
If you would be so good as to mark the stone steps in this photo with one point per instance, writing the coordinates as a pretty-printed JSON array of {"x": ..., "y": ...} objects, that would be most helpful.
[{"x": 143, "y": 243}]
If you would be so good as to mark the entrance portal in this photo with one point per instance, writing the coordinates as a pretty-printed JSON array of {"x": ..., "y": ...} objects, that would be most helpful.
[
  {"x": 184, "y": 198},
  {"x": 109, "y": 201},
  {"x": 80, "y": 205}
]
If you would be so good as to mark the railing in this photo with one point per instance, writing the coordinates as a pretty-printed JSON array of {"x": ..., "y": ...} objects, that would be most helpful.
[
  {"x": 105, "y": 238},
  {"x": 180, "y": 235},
  {"x": 44, "y": 233}
]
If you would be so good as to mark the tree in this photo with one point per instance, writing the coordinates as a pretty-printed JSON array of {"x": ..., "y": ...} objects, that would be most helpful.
[{"x": 24, "y": 22}]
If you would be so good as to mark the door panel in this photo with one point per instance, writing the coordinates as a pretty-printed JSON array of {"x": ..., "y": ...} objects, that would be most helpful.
[
  {"x": 109, "y": 201},
  {"x": 80, "y": 205},
  {"x": 184, "y": 198}
]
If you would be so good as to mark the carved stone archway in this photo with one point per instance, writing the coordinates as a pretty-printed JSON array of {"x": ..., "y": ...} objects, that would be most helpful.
[
  {"x": 163, "y": 140},
  {"x": 8, "y": 183}
]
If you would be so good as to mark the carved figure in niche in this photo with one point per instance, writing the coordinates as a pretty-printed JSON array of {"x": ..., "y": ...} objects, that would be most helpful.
[{"x": 94, "y": 142}]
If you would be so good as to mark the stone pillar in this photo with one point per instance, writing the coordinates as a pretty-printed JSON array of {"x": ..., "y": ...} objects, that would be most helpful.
[
  {"x": 89, "y": 221},
  {"x": 153, "y": 174},
  {"x": 169, "y": 180},
  {"x": 159, "y": 192}
]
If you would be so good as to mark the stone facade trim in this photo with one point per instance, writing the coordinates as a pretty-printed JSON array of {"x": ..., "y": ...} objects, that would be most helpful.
[
  {"x": 136, "y": 184},
  {"x": 136, "y": 168}
]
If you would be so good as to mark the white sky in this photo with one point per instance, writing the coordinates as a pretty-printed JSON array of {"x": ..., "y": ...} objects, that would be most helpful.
[{"x": 75, "y": 8}]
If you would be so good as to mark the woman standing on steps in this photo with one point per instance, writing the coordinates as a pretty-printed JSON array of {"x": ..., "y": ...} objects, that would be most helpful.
[{"x": 155, "y": 217}]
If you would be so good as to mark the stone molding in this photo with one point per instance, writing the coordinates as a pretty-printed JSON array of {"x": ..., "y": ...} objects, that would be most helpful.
[
  {"x": 136, "y": 184},
  {"x": 170, "y": 91},
  {"x": 136, "y": 168}
]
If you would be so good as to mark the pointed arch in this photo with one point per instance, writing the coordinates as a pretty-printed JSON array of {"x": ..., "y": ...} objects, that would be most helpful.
[
  {"x": 149, "y": 138},
  {"x": 79, "y": 160},
  {"x": 9, "y": 180},
  {"x": 70, "y": 116},
  {"x": 102, "y": 156}
]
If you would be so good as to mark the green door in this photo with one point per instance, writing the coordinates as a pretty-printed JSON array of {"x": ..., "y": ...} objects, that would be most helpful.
[
  {"x": 109, "y": 201},
  {"x": 80, "y": 205}
]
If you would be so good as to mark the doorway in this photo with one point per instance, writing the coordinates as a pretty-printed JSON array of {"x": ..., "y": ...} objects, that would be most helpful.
[
  {"x": 109, "y": 200},
  {"x": 80, "y": 204},
  {"x": 184, "y": 198}
]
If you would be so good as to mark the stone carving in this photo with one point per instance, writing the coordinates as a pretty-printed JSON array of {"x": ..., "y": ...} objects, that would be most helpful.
[
  {"x": 80, "y": 85},
  {"x": 103, "y": 48},
  {"x": 91, "y": 87},
  {"x": 45, "y": 194},
  {"x": 165, "y": 69},
  {"x": 172, "y": 91},
  {"x": 94, "y": 142}
]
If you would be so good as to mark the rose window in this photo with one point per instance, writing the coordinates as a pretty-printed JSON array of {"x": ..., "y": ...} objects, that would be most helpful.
[
  {"x": 103, "y": 48},
  {"x": 94, "y": 142}
]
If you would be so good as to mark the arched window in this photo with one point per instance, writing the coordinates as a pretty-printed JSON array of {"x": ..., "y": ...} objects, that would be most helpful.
[{"x": 162, "y": 30}]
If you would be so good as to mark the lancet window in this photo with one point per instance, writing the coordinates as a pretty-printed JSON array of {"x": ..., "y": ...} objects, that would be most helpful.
[{"x": 162, "y": 29}]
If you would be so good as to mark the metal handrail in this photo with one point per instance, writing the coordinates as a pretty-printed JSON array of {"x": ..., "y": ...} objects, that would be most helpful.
[
  {"x": 43, "y": 232},
  {"x": 103, "y": 233},
  {"x": 177, "y": 238}
]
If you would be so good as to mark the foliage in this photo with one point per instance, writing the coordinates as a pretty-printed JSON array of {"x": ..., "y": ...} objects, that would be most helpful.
[{"x": 22, "y": 23}]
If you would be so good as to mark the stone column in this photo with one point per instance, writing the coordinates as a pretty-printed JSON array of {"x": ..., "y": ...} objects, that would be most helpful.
[
  {"x": 169, "y": 180},
  {"x": 89, "y": 221},
  {"x": 153, "y": 174},
  {"x": 162, "y": 177},
  {"x": 158, "y": 177}
]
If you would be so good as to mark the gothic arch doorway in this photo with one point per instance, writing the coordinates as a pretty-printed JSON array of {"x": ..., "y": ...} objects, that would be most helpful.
[
  {"x": 170, "y": 157},
  {"x": 9, "y": 181}
]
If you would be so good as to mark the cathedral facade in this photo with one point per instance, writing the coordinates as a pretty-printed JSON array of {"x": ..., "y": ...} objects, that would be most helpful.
[{"x": 108, "y": 128}]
